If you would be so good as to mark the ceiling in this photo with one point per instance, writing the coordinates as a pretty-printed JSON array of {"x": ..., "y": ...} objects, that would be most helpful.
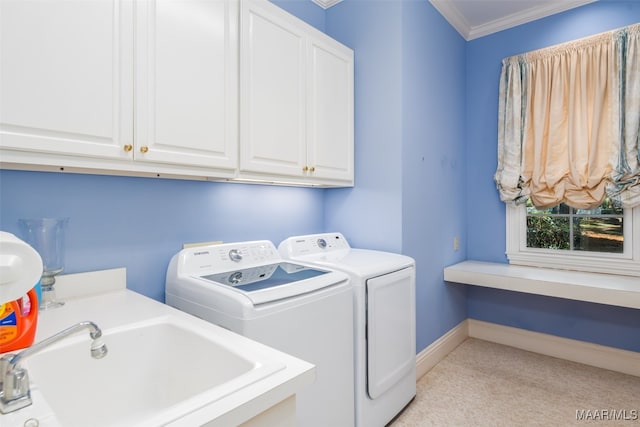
[{"x": 477, "y": 18}]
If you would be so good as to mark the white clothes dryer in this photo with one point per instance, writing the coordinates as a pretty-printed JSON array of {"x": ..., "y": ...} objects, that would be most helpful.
[
  {"x": 384, "y": 320},
  {"x": 303, "y": 310}
]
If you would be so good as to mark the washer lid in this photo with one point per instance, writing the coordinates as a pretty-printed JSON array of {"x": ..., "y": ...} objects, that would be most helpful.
[
  {"x": 360, "y": 262},
  {"x": 271, "y": 282},
  {"x": 333, "y": 251}
]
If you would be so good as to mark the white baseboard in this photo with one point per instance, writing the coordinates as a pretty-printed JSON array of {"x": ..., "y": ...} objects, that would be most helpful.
[
  {"x": 438, "y": 350},
  {"x": 613, "y": 359}
]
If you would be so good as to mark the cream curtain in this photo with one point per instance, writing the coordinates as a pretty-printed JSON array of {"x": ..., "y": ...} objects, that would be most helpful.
[{"x": 568, "y": 126}]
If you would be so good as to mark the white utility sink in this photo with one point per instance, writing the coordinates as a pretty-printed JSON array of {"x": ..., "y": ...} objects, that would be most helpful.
[
  {"x": 153, "y": 371},
  {"x": 163, "y": 367}
]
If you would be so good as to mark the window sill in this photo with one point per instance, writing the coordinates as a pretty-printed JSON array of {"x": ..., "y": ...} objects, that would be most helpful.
[{"x": 623, "y": 291}]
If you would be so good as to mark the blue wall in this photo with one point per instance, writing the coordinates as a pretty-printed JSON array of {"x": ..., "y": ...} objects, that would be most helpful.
[
  {"x": 601, "y": 324},
  {"x": 433, "y": 163},
  {"x": 410, "y": 168},
  {"x": 371, "y": 213},
  {"x": 140, "y": 223}
]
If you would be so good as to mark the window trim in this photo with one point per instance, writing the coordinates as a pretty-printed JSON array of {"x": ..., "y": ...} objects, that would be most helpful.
[{"x": 627, "y": 263}]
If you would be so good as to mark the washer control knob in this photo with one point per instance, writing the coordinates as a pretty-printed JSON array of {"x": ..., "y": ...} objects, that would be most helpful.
[
  {"x": 322, "y": 243},
  {"x": 235, "y": 255}
]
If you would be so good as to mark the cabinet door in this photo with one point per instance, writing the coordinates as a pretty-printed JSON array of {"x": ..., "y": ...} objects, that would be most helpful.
[
  {"x": 272, "y": 88},
  {"x": 66, "y": 73},
  {"x": 186, "y": 82},
  {"x": 330, "y": 119}
]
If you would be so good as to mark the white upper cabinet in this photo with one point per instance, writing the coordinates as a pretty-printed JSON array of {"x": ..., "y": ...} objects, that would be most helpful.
[
  {"x": 187, "y": 82},
  {"x": 66, "y": 75},
  {"x": 296, "y": 97},
  {"x": 206, "y": 89}
]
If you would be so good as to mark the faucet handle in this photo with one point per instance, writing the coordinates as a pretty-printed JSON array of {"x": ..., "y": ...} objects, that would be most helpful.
[
  {"x": 15, "y": 394},
  {"x": 16, "y": 384}
]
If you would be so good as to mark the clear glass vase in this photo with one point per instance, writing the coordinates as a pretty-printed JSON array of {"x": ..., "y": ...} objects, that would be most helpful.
[{"x": 47, "y": 237}]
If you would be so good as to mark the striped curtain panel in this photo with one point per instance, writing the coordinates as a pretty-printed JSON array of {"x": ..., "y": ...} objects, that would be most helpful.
[{"x": 569, "y": 123}]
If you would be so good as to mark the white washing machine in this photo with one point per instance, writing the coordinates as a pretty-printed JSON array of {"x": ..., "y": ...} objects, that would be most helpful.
[
  {"x": 302, "y": 310},
  {"x": 385, "y": 320}
]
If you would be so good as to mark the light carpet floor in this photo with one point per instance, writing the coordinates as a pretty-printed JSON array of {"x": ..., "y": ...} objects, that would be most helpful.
[{"x": 487, "y": 384}]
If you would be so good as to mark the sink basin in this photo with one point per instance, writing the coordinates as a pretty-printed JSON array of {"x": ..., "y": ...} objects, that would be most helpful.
[{"x": 156, "y": 371}]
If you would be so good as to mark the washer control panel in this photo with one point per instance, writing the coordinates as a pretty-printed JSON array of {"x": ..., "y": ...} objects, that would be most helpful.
[
  {"x": 313, "y": 244},
  {"x": 228, "y": 256}
]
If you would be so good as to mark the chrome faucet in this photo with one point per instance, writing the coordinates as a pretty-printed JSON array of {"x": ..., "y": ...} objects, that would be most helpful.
[{"x": 14, "y": 380}]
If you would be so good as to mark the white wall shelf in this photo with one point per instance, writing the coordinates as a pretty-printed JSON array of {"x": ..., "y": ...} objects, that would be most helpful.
[{"x": 618, "y": 290}]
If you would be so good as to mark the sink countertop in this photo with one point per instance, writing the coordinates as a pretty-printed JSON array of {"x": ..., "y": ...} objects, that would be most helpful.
[{"x": 118, "y": 307}]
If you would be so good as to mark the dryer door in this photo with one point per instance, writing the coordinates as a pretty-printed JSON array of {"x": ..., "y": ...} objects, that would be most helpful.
[{"x": 391, "y": 330}]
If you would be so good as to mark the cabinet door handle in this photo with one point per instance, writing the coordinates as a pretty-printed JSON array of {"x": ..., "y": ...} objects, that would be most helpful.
[
  {"x": 305, "y": 168},
  {"x": 128, "y": 147},
  {"x": 144, "y": 149},
  {"x": 312, "y": 169}
]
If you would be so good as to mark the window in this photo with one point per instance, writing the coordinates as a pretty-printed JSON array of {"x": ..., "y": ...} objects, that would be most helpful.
[
  {"x": 563, "y": 227},
  {"x": 600, "y": 240}
]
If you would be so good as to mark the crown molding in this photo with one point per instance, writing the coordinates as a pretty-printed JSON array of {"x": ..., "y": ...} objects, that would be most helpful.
[
  {"x": 456, "y": 18},
  {"x": 326, "y": 4}
]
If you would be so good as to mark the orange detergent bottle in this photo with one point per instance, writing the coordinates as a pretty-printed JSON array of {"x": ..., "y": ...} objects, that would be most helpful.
[{"x": 18, "y": 320}]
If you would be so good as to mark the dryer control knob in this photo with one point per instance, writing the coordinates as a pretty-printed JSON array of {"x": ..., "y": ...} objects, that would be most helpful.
[
  {"x": 235, "y": 255},
  {"x": 322, "y": 243}
]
